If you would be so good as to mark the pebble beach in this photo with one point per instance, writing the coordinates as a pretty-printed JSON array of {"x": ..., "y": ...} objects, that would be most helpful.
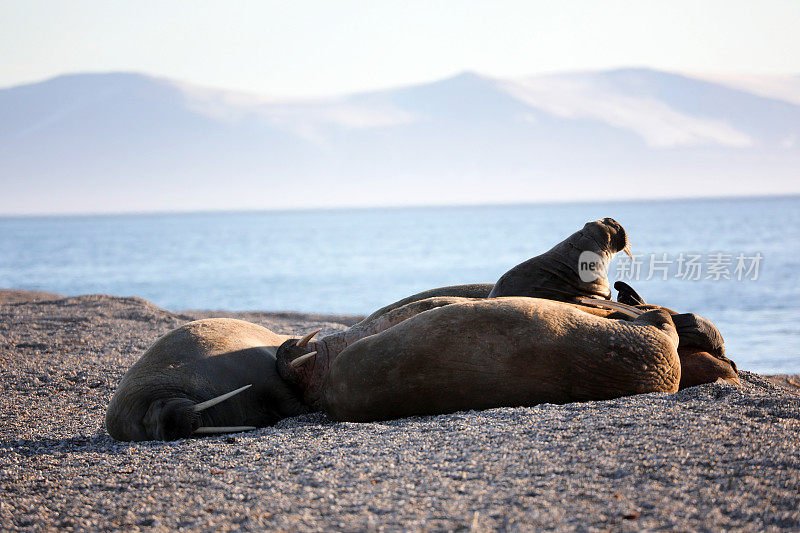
[{"x": 713, "y": 457}]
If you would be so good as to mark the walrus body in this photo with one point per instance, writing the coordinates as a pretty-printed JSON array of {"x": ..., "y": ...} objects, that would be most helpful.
[
  {"x": 196, "y": 362},
  {"x": 700, "y": 346},
  {"x": 572, "y": 269},
  {"x": 477, "y": 354}
]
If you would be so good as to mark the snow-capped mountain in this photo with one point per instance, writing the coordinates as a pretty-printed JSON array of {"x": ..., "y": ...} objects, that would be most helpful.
[{"x": 130, "y": 142}]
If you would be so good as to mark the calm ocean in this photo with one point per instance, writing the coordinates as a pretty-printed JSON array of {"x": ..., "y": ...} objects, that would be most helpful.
[{"x": 745, "y": 252}]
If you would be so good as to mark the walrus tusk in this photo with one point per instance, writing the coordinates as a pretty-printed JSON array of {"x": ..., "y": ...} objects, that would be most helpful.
[
  {"x": 210, "y": 430},
  {"x": 622, "y": 308},
  {"x": 214, "y": 401},
  {"x": 627, "y": 249},
  {"x": 303, "y": 359},
  {"x": 304, "y": 341}
]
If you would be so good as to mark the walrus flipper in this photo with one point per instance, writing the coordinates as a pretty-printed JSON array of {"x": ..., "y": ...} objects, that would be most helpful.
[
  {"x": 572, "y": 269},
  {"x": 627, "y": 295}
]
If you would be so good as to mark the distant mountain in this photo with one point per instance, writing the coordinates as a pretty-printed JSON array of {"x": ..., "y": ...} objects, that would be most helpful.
[{"x": 128, "y": 142}]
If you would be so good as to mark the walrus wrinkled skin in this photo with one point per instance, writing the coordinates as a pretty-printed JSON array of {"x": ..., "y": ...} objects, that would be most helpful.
[
  {"x": 294, "y": 356},
  {"x": 478, "y": 354},
  {"x": 701, "y": 347},
  {"x": 555, "y": 275},
  {"x": 201, "y": 360}
]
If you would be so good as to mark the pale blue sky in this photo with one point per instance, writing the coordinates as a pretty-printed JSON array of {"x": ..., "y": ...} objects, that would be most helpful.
[{"x": 304, "y": 48}]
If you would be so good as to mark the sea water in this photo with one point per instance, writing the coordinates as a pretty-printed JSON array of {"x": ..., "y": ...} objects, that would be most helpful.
[{"x": 734, "y": 261}]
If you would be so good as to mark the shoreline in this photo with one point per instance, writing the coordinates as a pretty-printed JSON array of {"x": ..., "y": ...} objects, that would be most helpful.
[
  {"x": 708, "y": 457},
  {"x": 8, "y": 296}
]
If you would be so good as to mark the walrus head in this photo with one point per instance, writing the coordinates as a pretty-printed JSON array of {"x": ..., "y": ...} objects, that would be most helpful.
[
  {"x": 573, "y": 269},
  {"x": 171, "y": 416},
  {"x": 208, "y": 376},
  {"x": 694, "y": 330},
  {"x": 304, "y": 366},
  {"x": 170, "y": 419},
  {"x": 702, "y": 352}
]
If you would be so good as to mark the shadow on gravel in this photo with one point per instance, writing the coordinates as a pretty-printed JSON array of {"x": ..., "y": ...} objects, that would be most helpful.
[{"x": 100, "y": 443}]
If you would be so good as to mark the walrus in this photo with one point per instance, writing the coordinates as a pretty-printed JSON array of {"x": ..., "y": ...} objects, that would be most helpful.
[
  {"x": 215, "y": 375},
  {"x": 482, "y": 353},
  {"x": 553, "y": 275},
  {"x": 219, "y": 375},
  {"x": 573, "y": 269}
]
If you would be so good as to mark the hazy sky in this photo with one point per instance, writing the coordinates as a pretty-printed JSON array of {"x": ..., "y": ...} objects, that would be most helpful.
[{"x": 302, "y": 48}]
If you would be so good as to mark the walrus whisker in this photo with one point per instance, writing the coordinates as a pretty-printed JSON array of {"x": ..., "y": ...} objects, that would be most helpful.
[
  {"x": 214, "y": 401},
  {"x": 304, "y": 341},
  {"x": 622, "y": 308},
  {"x": 303, "y": 359},
  {"x": 210, "y": 430}
]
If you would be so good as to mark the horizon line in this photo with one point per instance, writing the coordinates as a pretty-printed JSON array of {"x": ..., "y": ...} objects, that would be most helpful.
[{"x": 179, "y": 212}]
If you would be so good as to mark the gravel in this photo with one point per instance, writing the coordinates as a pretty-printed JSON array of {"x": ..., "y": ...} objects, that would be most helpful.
[{"x": 710, "y": 457}]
